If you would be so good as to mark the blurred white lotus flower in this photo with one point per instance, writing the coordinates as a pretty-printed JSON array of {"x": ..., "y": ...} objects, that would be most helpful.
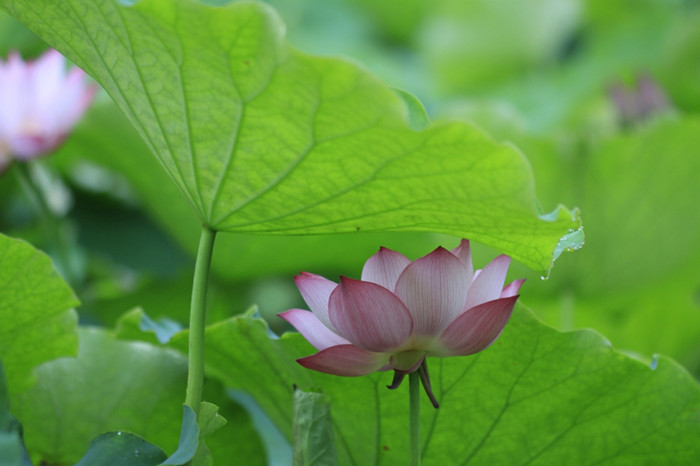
[{"x": 40, "y": 102}]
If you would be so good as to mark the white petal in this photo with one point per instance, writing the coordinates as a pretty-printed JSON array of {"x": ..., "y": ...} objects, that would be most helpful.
[
  {"x": 434, "y": 289},
  {"x": 313, "y": 329},
  {"x": 384, "y": 268},
  {"x": 512, "y": 288},
  {"x": 488, "y": 283}
]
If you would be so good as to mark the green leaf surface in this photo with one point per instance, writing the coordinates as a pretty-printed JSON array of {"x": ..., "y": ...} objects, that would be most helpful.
[
  {"x": 122, "y": 386},
  {"x": 537, "y": 396},
  {"x": 12, "y": 451},
  {"x": 5, "y": 416},
  {"x": 36, "y": 320},
  {"x": 136, "y": 325},
  {"x": 313, "y": 429},
  {"x": 230, "y": 433},
  {"x": 14, "y": 36},
  {"x": 277, "y": 448},
  {"x": 189, "y": 439},
  {"x": 106, "y": 138},
  {"x": 192, "y": 450},
  {"x": 209, "y": 420},
  {"x": 417, "y": 115},
  {"x": 111, "y": 386},
  {"x": 264, "y": 139},
  {"x": 121, "y": 449}
]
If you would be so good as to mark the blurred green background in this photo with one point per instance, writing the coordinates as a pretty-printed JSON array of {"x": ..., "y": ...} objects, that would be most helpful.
[{"x": 601, "y": 96}]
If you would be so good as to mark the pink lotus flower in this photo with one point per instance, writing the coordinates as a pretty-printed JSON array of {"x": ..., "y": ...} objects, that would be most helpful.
[
  {"x": 401, "y": 312},
  {"x": 40, "y": 102}
]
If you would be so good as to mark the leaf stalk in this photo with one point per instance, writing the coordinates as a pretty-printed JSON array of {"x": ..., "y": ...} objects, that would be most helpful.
[
  {"x": 414, "y": 423},
  {"x": 195, "y": 375}
]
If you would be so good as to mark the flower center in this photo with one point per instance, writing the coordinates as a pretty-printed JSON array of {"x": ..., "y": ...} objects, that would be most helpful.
[{"x": 407, "y": 361}]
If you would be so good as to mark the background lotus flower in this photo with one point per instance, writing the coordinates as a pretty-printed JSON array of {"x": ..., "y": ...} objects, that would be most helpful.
[
  {"x": 40, "y": 102},
  {"x": 400, "y": 312}
]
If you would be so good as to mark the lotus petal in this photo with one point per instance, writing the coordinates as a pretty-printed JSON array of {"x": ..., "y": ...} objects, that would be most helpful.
[
  {"x": 512, "y": 288},
  {"x": 313, "y": 329},
  {"x": 488, "y": 283},
  {"x": 347, "y": 360},
  {"x": 384, "y": 268},
  {"x": 369, "y": 315},
  {"x": 434, "y": 289},
  {"x": 476, "y": 328},
  {"x": 464, "y": 253},
  {"x": 316, "y": 291}
]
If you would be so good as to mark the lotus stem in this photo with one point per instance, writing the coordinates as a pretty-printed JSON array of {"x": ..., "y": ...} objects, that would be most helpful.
[
  {"x": 195, "y": 375},
  {"x": 414, "y": 423}
]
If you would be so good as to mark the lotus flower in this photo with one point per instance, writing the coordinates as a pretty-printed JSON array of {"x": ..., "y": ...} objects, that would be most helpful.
[
  {"x": 40, "y": 102},
  {"x": 401, "y": 312}
]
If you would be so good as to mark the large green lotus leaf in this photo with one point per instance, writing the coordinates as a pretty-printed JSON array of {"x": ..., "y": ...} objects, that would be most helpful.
[
  {"x": 122, "y": 449},
  {"x": 107, "y": 139},
  {"x": 536, "y": 396},
  {"x": 116, "y": 385},
  {"x": 262, "y": 138},
  {"x": 14, "y": 36},
  {"x": 36, "y": 320}
]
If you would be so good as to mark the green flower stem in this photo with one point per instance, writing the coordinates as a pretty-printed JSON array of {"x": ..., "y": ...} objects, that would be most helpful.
[
  {"x": 56, "y": 235},
  {"x": 195, "y": 375},
  {"x": 414, "y": 423}
]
